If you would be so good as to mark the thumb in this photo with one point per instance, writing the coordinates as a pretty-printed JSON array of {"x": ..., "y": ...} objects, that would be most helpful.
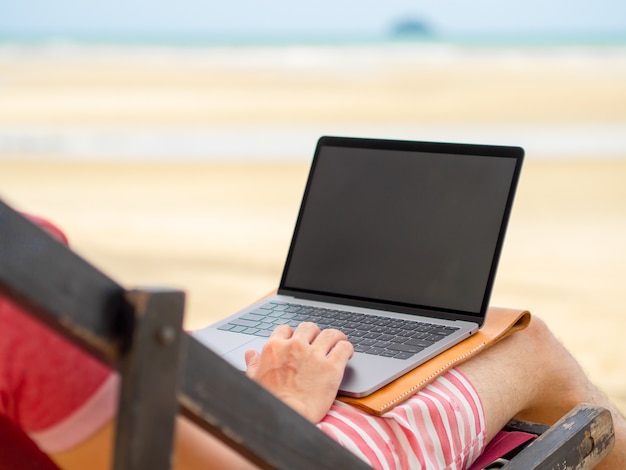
[{"x": 252, "y": 358}]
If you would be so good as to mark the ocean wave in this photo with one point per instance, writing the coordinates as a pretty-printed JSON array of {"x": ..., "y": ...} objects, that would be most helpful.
[
  {"x": 305, "y": 55},
  {"x": 292, "y": 142}
]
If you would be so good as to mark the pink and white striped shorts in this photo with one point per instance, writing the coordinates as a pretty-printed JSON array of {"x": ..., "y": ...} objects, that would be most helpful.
[{"x": 440, "y": 427}]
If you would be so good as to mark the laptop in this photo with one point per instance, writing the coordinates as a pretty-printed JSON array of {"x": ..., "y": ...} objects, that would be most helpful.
[{"x": 396, "y": 244}]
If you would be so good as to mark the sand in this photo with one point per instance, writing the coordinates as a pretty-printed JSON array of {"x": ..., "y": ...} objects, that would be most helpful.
[
  {"x": 435, "y": 84},
  {"x": 220, "y": 230}
]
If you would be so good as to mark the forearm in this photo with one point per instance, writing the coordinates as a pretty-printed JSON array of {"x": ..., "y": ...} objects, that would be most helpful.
[{"x": 197, "y": 449}]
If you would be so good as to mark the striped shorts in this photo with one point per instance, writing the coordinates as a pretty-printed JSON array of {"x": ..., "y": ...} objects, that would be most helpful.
[{"x": 440, "y": 427}]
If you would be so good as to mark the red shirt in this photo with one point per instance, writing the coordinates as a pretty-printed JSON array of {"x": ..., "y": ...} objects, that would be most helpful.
[{"x": 51, "y": 389}]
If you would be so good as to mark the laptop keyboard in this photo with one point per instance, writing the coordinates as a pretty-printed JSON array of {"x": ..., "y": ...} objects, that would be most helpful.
[{"x": 370, "y": 334}]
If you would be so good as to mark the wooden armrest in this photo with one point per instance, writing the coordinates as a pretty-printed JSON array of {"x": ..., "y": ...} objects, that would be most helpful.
[{"x": 579, "y": 440}]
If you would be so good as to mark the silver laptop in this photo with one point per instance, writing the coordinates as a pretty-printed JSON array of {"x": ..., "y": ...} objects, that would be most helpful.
[{"x": 396, "y": 244}]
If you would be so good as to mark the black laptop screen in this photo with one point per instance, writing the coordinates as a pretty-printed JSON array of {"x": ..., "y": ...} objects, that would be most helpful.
[{"x": 414, "y": 228}]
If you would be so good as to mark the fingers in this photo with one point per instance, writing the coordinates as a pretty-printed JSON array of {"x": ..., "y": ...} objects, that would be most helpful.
[
  {"x": 252, "y": 359},
  {"x": 324, "y": 341},
  {"x": 341, "y": 353},
  {"x": 307, "y": 332},
  {"x": 328, "y": 339},
  {"x": 282, "y": 332}
]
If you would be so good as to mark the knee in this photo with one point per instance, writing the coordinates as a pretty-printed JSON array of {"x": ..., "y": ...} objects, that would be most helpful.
[
  {"x": 538, "y": 328},
  {"x": 538, "y": 337}
]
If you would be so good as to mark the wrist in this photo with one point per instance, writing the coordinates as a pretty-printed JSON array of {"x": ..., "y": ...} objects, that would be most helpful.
[{"x": 303, "y": 409}]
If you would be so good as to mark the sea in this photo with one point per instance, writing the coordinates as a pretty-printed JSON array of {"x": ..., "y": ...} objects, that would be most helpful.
[{"x": 288, "y": 141}]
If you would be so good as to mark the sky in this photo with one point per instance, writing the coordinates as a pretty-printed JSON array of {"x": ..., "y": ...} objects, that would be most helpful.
[{"x": 293, "y": 18}]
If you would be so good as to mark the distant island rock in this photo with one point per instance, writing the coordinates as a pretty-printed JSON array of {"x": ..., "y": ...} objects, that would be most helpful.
[{"x": 411, "y": 28}]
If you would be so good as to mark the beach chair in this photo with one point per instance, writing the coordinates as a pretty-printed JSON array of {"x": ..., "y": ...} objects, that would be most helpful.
[{"x": 165, "y": 371}]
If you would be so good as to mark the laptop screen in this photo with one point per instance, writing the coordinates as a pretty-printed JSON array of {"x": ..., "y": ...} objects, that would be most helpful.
[{"x": 405, "y": 223}]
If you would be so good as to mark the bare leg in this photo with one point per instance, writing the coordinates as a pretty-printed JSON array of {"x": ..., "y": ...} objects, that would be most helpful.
[{"x": 531, "y": 376}]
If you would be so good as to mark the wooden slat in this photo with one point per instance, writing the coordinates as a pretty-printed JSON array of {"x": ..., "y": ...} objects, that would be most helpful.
[
  {"x": 150, "y": 370},
  {"x": 61, "y": 288},
  {"x": 526, "y": 426},
  {"x": 578, "y": 441}
]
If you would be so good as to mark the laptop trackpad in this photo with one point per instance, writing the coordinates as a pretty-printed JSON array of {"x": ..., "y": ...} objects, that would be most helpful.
[{"x": 237, "y": 356}]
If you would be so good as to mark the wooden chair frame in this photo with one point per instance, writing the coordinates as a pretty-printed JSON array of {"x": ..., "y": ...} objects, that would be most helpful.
[{"x": 166, "y": 371}]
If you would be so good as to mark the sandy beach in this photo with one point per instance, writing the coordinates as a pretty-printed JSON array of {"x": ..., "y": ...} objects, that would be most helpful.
[{"x": 220, "y": 229}]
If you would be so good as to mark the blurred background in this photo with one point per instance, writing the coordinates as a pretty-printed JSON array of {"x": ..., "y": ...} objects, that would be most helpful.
[{"x": 171, "y": 140}]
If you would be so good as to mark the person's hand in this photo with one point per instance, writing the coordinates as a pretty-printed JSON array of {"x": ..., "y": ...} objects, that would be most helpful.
[{"x": 303, "y": 367}]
